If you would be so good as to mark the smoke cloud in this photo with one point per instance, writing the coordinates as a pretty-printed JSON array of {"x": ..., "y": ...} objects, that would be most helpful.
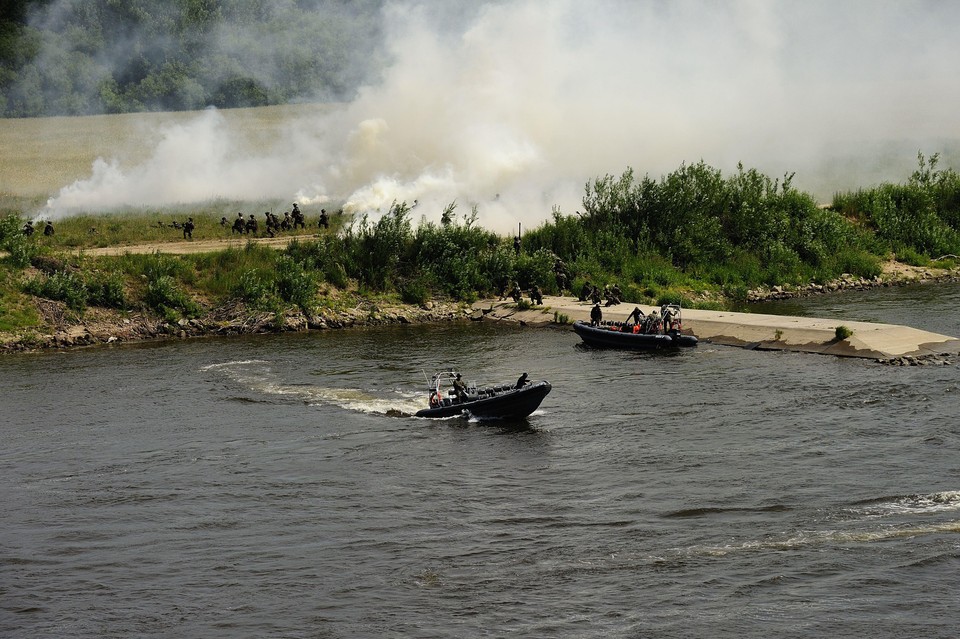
[{"x": 513, "y": 106}]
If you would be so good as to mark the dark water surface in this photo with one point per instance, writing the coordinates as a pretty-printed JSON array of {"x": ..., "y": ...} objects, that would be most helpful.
[{"x": 256, "y": 488}]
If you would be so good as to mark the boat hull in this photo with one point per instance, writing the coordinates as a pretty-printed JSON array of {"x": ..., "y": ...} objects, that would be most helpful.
[
  {"x": 515, "y": 403},
  {"x": 599, "y": 337}
]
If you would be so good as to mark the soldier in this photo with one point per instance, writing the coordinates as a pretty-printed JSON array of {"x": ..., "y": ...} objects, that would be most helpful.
[
  {"x": 561, "y": 274},
  {"x": 516, "y": 293},
  {"x": 285, "y": 222},
  {"x": 667, "y": 313},
  {"x": 324, "y": 220},
  {"x": 635, "y": 316},
  {"x": 188, "y": 229},
  {"x": 252, "y": 226},
  {"x": 271, "y": 222},
  {"x": 460, "y": 389},
  {"x": 28, "y": 228},
  {"x": 223, "y": 221},
  {"x": 536, "y": 297},
  {"x": 238, "y": 225},
  {"x": 298, "y": 219},
  {"x": 652, "y": 323},
  {"x": 523, "y": 381},
  {"x": 48, "y": 229},
  {"x": 516, "y": 244},
  {"x": 585, "y": 291},
  {"x": 596, "y": 315}
]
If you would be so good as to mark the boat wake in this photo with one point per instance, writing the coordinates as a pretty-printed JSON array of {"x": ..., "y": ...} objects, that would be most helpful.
[
  {"x": 258, "y": 377},
  {"x": 906, "y": 516}
]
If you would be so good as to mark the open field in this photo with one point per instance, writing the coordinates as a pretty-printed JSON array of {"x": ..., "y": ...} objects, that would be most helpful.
[{"x": 39, "y": 156}]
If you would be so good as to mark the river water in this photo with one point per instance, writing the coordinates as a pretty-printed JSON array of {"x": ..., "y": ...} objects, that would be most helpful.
[{"x": 257, "y": 487}]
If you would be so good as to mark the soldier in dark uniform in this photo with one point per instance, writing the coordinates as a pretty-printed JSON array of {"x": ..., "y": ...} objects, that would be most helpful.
[
  {"x": 561, "y": 274},
  {"x": 223, "y": 221},
  {"x": 238, "y": 225},
  {"x": 585, "y": 292},
  {"x": 252, "y": 226},
  {"x": 285, "y": 222},
  {"x": 536, "y": 297},
  {"x": 188, "y": 229},
  {"x": 516, "y": 245},
  {"x": 297, "y": 218},
  {"x": 28, "y": 228},
  {"x": 635, "y": 316},
  {"x": 596, "y": 315},
  {"x": 48, "y": 229},
  {"x": 523, "y": 381},
  {"x": 516, "y": 293},
  {"x": 271, "y": 222},
  {"x": 324, "y": 220},
  {"x": 460, "y": 389}
]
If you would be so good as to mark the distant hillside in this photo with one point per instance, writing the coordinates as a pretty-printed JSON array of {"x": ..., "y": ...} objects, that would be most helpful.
[{"x": 82, "y": 57}]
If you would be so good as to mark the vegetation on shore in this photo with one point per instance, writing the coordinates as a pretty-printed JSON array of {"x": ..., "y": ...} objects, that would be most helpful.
[{"x": 692, "y": 237}]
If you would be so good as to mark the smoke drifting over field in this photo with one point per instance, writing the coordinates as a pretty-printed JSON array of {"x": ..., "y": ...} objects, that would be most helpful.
[{"x": 515, "y": 105}]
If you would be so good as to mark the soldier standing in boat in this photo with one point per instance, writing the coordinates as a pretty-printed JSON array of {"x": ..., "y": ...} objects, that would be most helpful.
[
  {"x": 460, "y": 388},
  {"x": 596, "y": 315}
]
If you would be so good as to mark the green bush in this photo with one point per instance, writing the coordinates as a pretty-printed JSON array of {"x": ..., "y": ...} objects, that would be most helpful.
[
  {"x": 63, "y": 286},
  {"x": 293, "y": 283},
  {"x": 164, "y": 295},
  {"x": 107, "y": 290},
  {"x": 253, "y": 287},
  {"x": 20, "y": 248}
]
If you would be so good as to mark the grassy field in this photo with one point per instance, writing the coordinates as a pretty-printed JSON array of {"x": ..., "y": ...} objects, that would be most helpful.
[{"x": 39, "y": 156}]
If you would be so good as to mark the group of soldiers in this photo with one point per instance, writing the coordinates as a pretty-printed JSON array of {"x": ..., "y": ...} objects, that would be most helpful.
[
  {"x": 28, "y": 228},
  {"x": 611, "y": 294},
  {"x": 655, "y": 322},
  {"x": 290, "y": 221}
]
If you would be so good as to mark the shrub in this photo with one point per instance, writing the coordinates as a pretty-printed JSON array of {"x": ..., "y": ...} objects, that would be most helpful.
[
  {"x": 415, "y": 291},
  {"x": 107, "y": 290},
  {"x": 843, "y": 332},
  {"x": 63, "y": 286},
  {"x": 19, "y": 247},
  {"x": 253, "y": 287},
  {"x": 293, "y": 284},
  {"x": 164, "y": 295}
]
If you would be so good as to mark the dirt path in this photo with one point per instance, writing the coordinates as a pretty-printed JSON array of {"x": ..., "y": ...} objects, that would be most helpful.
[{"x": 193, "y": 246}]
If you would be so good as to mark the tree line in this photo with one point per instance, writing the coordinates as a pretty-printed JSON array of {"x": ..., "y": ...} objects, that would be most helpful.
[{"x": 80, "y": 57}]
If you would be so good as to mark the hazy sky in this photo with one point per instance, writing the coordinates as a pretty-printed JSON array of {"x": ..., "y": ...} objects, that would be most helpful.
[{"x": 514, "y": 105}]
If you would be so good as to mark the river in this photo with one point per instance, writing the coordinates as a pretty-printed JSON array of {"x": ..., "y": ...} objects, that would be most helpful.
[{"x": 257, "y": 487}]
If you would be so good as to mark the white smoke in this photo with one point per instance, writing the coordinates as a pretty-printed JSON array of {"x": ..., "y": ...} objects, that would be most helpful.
[{"x": 515, "y": 105}]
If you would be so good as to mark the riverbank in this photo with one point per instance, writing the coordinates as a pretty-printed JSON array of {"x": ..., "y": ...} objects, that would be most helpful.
[
  {"x": 64, "y": 329},
  {"x": 60, "y": 327},
  {"x": 887, "y": 343},
  {"x": 894, "y": 274}
]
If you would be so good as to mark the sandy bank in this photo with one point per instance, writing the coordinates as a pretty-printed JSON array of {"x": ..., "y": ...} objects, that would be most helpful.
[{"x": 768, "y": 332}]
